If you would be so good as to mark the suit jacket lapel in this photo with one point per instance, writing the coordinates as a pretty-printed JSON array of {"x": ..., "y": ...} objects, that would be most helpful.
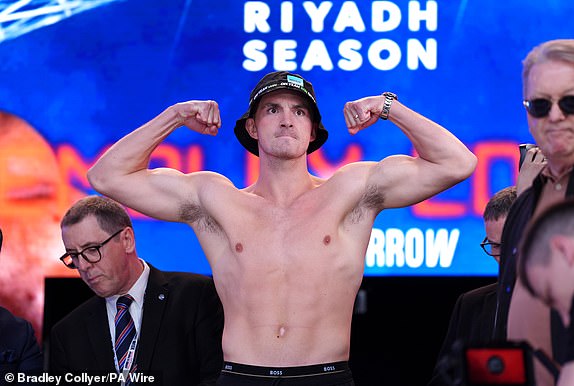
[
  {"x": 99, "y": 336},
  {"x": 155, "y": 301}
]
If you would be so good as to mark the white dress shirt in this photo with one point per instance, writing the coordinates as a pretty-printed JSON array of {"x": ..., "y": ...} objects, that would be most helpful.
[{"x": 136, "y": 308}]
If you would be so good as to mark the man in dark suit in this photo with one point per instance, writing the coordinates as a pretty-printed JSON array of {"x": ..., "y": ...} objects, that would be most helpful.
[
  {"x": 175, "y": 319},
  {"x": 19, "y": 350},
  {"x": 472, "y": 319}
]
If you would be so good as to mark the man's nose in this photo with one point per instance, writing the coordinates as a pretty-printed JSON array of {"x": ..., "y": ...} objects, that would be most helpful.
[
  {"x": 556, "y": 113},
  {"x": 286, "y": 120},
  {"x": 83, "y": 264}
]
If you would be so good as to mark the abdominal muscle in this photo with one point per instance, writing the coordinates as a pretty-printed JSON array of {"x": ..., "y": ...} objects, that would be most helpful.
[
  {"x": 284, "y": 344},
  {"x": 293, "y": 316}
]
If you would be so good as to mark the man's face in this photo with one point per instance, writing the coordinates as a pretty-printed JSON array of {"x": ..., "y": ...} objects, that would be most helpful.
[
  {"x": 493, "y": 230},
  {"x": 554, "y": 134},
  {"x": 110, "y": 275},
  {"x": 282, "y": 124},
  {"x": 553, "y": 283}
]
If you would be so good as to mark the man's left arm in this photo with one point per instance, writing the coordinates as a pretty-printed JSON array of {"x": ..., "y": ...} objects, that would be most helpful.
[
  {"x": 442, "y": 160},
  {"x": 208, "y": 332},
  {"x": 58, "y": 363}
]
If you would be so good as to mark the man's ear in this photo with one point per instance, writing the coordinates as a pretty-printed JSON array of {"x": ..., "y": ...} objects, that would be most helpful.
[
  {"x": 250, "y": 127},
  {"x": 129, "y": 240},
  {"x": 564, "y": 245}
]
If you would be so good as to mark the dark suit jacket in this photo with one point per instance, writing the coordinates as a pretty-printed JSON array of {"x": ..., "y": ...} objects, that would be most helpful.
[
  {"x": 19, "y": 350},
  {"x": 518, "y": 217},
  {"x": 471, "y": 323},
  {"x": 180, "y": 339}
]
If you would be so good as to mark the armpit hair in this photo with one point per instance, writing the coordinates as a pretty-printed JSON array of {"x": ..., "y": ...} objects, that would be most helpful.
[
  {"x": 372, "y": 199},
  {"x": 192, "y": 213}
]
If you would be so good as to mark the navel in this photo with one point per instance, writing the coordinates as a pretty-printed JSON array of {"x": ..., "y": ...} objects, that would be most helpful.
[
  {"x": 327, "y": 240},
  {"x": 238, "y": 247}
]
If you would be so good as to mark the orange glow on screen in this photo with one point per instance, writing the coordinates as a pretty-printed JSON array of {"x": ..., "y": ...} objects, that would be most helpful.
[{"x": 33, "y": 196}]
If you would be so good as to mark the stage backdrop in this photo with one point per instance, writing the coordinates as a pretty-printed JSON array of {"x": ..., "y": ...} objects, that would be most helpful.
[{"x": 77, "y": 76}]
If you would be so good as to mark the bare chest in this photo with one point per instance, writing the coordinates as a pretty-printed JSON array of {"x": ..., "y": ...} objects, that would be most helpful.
[
  {"x": 288, "y": 233},
  {"x": 261, "y": 239}
]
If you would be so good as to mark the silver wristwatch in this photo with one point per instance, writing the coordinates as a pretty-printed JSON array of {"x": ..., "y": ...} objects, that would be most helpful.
[{"x": 389, "y": 98}]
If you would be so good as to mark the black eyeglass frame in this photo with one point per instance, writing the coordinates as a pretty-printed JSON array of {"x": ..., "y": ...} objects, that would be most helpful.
[
  {"x": 485, "y": 243},
  {"x": 97, "y": 247},
  {"x": 566, "y": 105}
]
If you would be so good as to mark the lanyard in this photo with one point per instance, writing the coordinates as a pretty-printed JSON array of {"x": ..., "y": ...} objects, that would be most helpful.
[
  {"x": 131, "y": 354},
  {"x": 129, "y": 359}
]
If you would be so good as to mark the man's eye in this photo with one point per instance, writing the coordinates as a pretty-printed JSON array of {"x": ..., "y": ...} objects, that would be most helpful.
[{"x": 91, "y": 251}]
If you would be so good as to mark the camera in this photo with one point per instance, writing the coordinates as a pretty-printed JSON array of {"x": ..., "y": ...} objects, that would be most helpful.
[
  {"x": 508, "y": 363},
  {"x": 523, "y": 148}
]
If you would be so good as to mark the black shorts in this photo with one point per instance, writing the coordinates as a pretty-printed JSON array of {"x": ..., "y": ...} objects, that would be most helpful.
[{"x": 327, "y": 374}]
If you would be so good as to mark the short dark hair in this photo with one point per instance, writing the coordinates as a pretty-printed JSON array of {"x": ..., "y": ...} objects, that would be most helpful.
[
  {"x": 110, "y": 215},
  {"x": 534, "y": 247},
  {"x": 1, "y": 239},
  {"x": 499, "y": 205}
]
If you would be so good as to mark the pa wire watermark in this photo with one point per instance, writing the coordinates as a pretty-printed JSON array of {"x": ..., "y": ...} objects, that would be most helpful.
[{"x": 76, "y": 378}]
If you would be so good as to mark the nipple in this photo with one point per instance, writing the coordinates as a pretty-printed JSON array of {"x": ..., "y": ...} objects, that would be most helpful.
[
  {"x": 327, "y": 240},
  {"x": 281, "y": 332},
  {"x": 238, "y": 248}
]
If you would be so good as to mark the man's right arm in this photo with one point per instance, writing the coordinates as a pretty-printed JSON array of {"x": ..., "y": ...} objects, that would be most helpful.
[
  {"x": 57, "y": 355},
  {"x": 122, "y": 173}
]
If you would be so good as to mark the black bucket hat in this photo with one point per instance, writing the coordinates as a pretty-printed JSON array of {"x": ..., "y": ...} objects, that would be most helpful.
[{"x": 276, "y": 81}]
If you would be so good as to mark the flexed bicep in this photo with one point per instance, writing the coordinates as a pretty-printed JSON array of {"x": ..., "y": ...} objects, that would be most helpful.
[
  {"x": 123, "y": 172},
  {"x": 158, "y": 193},
  {"x": 404, "y": 180}
]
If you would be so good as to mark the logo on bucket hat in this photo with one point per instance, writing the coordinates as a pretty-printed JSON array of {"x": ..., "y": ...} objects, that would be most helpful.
[{"x": 272, "y": 82}]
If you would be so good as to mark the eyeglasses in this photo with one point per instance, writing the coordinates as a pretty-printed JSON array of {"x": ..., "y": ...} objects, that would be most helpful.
[
  {"x": 540, "y": 107},
  {"x": 489, "y": 246},
  {"x": 91, "y": 254}
]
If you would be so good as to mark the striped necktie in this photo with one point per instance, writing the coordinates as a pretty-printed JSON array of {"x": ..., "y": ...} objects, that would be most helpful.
[{"x": 125, "y": 333}]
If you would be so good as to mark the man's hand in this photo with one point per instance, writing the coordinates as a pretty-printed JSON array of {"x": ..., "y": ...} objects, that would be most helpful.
[
  {"x": 363, "y": 112},
  {"x": 534, "y": 162},
  {"x": 200, "y": 116}
]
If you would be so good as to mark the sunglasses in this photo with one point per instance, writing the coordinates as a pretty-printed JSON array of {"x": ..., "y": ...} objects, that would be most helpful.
[{"x": 540, "y": 107}]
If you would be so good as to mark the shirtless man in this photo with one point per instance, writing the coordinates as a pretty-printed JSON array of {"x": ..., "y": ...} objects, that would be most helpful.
[{"x": 287, "y": 253}]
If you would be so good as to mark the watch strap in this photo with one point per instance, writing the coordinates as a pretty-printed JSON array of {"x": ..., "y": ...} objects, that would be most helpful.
[{"x": 389, "y": 98}]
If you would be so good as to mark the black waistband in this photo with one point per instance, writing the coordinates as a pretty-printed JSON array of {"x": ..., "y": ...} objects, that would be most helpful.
[{"x": 285, "y": 372}]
